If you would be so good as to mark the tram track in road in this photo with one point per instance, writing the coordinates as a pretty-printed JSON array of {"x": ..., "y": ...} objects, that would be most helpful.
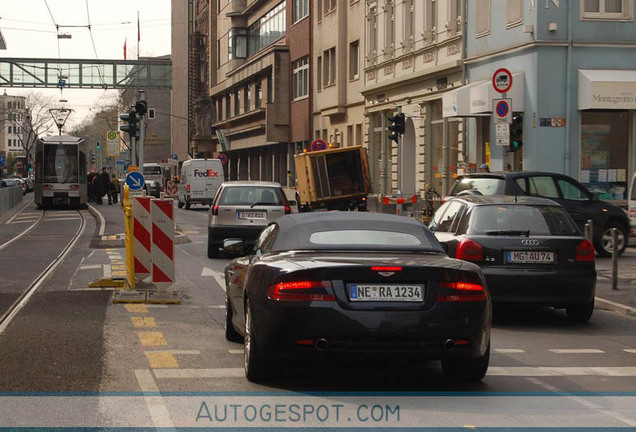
[
  {"x": 23, "y": 298},
  {"x": 24, "y": 232}
]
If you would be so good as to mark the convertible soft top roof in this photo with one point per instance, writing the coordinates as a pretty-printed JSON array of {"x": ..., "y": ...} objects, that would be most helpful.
[{"x": 296, "y": 230}]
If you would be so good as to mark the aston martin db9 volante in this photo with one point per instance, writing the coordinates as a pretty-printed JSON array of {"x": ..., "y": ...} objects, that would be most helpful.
[{"x": 335, "y": 284}]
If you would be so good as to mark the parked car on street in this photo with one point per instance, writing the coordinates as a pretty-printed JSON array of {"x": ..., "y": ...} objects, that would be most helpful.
[
  {"x": 241, "y": 209},
  {"x": 340, "y": 284},
  {"x": 529, "y": 248},
  {"x": 152, "y": 188},
  {"x": 579, "y": 202}
]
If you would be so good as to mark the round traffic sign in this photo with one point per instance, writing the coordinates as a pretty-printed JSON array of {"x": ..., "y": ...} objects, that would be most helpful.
[
  {"x": 318, "y": 144},
  {"x": 112, "y": 135},
  {"x": 502, "y": 108},
  {"x": 223, "y": 158},
  {"x": 135, "y": 180},
  {"x": 502, "y": 80}
]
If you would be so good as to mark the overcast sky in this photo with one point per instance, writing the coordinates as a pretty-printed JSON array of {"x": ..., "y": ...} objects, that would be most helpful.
[{"x": 30, "y": 29}]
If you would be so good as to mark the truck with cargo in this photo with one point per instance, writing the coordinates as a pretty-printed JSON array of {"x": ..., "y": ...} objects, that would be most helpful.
[{"x": 333, "y": 179}]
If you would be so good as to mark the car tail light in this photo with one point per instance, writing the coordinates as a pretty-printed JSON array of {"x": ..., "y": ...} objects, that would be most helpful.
[
  {"x": 444, "y": 199},
  {"x": 301, "y": 291},
  {"x": 585, "y": 252},
  {"x": 188, "y": 189},
  {"x": 73, "y": 187},
  {"x": 48, "y": 187},
  {"x": 386, "y": 268},
  {"x": 469, "y": 250},
  {"x": 461, "y": 292},
  {"x": 215, "y": 210},
  {"x": 287, "y": 209}
]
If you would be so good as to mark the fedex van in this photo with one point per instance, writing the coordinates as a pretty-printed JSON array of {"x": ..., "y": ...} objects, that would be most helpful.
[
  {"x": 199, "y": 181},
  {"x": 631, "y": 206}
]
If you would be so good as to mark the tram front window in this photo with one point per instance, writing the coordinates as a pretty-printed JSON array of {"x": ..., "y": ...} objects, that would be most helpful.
[{"x": 60, "y": 164}]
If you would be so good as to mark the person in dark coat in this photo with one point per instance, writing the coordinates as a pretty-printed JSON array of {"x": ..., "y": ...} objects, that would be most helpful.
[{"x": 103, "y": 186}]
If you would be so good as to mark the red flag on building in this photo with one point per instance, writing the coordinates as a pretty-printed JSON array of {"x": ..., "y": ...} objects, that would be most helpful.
[
  {"x": 125, "y": 40},
  {"x": 138, "y": 28}
]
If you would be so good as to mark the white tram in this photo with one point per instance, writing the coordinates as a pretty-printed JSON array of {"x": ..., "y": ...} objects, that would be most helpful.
[{"x": 60, "y": 172}]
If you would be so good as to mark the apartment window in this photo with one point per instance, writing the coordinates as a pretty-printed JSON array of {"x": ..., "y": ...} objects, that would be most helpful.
[
  {"x": 330, "y": 5},
  {"x": 247, "y": 98},
  {"x": 300, "y": 9},
  {"x": 354, "y": 62},
  {"x": 455, "y": 15},
  {"x": 300, "y": 70},
  {"x": 237, "y": 43},
  {"x": 359, "y": 134},
  {"x": 409, "y": 22},
  {"x": 430, "y": 21},
  {"x": 267, "y": 30},
  {"x": 237, "y": 102},
  {"x": 389, "y": 32},
  {"x": 270, "y": 92},
  {"x": 329, "y": 67},
  {"x": 228, "y": 112},
  {"x": 607, "y": 9},
  {"x": 372, "y": 32},
  {"x": 258, "y": 95},
  {"x": 482, "y": 20},
  {"x": 319, "y": 10},
  {"x": 319, "y": 73},
  {"x": 514, "y": 12}
]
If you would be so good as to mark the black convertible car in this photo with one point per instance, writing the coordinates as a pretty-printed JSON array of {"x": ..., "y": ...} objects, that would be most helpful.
[{"x": 331, "y": 284}]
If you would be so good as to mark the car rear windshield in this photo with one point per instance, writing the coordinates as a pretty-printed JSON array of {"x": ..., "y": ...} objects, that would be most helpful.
[
  {"x": 539, "y": 220},
  {"x": 364, "y": 237},
  {"x": 483, "y": 185},
  {"x": 250, "y": 195}
]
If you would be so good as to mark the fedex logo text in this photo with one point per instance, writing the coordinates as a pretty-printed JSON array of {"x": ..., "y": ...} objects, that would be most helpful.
[{"x": 208, "y": 173}]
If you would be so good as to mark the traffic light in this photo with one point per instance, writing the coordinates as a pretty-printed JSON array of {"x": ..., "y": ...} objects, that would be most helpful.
[
  {"x": 397, "y": 127},
  {"x": 97, "y": 145},
  {"x": 516, "y": 132},
  {"x": 141, "y": 107},
  {"x": 132, "y": 120},
  {"x": 93, "y": 158}
]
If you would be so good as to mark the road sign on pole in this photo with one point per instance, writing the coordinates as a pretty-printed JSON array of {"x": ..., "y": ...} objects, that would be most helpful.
[
  {"x": 502, "y": 80},
  {"x": 318, "y": 144},
  {"x": 502, "y": 134},
  {"x": 502, "y": 112},
  {"x": 135, "y": 180}
]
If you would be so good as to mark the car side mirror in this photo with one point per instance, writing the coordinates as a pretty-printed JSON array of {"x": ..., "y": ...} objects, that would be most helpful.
[{"x": 234, "y": 246}]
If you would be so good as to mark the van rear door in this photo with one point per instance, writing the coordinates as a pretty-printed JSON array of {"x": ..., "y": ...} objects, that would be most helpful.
[{"x": 631, "y": 205}]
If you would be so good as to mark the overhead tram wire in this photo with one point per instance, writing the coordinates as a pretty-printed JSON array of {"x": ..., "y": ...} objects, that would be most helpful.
[{"x": 90, "y": 32}]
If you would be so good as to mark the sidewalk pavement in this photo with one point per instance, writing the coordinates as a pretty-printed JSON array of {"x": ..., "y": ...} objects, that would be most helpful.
[{"x": 622, "y": 300}]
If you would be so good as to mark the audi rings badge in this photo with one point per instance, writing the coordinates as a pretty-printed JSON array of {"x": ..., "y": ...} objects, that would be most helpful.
[{"x": 530, "y": 242}]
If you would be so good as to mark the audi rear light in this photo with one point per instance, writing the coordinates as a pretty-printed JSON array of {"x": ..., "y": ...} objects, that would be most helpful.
[
  {"x": 461, "y": 292},
  {"x": 386, "y": 268},
  {"x": 301, "y": 291},
  {"x": 585, "y": 252},
  {"x": 215, "y": 210},
  {"x": 469, "y": 250}
]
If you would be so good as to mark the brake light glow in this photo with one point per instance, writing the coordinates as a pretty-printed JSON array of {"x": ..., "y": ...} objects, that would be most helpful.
[
  {"x": 585, "y": 252},
  {"x": 301, "y": 291},
  {"x": 287, "y": 209},
  {"x": 461, "y": 292},
  {"x": 73, "y": 187},
  {"x": 469, "y": 250},
  {"x": 386, "y": 268},
  {"x": 188, "y": 188},
  {"x": 215, "y": 210},
  {"x": 48, "y": 187}
]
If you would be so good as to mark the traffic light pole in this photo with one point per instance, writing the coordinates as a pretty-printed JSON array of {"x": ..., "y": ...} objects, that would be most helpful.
[
  {"x": 142, "y": 133},
  {"x": 399, "y": 159}
]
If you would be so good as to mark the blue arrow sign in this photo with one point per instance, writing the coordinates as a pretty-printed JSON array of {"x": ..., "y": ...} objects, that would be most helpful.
[
  {"x": 135, "y": 180},
  {"x": 2, "y": 162}
]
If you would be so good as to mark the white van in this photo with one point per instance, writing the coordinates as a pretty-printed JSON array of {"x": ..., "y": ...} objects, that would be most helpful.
[
  {"x": 631, "y": 205},
  {"x": 199, "y": 181}
]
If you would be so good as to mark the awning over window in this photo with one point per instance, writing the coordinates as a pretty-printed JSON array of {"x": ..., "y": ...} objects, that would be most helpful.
[
  {"x": 607, "y": 89},
  {"x": 475, "y": 99}
]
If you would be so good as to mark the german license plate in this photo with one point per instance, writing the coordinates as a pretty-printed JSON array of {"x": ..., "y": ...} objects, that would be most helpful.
[
  {"x": 376, "y": 292},
  {"x": 530, "y": 257},
  {"x": 251, "y": 215}
]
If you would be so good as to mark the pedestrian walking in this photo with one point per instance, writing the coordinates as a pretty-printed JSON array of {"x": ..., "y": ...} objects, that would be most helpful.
[
  {"x": 103, "y": 186},
  {"x": 114, "y": 188}
]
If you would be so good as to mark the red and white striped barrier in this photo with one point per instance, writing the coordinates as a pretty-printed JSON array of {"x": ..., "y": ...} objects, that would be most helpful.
[
  {"x": 142, "y": 225},
  {"x": 163, "y": 269},
  {"x": 171, "y": 188},
  {"x": 386, "y": 200}
]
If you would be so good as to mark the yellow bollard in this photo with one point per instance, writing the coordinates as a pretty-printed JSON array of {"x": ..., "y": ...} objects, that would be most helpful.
[{"x": 128, "y": 239}]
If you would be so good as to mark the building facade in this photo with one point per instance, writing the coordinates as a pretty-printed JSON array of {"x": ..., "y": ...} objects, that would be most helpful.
[
  {"x": 412, "y": 57},
  {"x": 573, "y": 88},
  {"x": 13, "y": 120}
]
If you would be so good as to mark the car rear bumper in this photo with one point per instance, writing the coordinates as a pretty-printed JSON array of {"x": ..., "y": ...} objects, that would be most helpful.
[
  {"x": 555, "y": 287},
  {"x": 218, "y": 233},
  {"x": 280, "y": 326}
]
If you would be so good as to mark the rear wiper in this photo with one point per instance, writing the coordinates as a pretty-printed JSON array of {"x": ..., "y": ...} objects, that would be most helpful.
[
  {"x": 525, "y": 233},
  {"x": 262, "y": 203}
]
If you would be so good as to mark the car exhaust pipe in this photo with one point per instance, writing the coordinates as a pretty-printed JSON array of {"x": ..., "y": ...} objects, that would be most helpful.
[
  {"x": 321, "y": 344},
  {"x": 449, "y": 344}
]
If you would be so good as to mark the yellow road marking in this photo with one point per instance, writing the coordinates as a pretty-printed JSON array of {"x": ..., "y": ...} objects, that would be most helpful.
[
  {"x": 152, "y": 339},
  {"x": 164, "y": 359},
  {"x": 143, "y": 321},
  {"x": 136, "y": 308}
]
